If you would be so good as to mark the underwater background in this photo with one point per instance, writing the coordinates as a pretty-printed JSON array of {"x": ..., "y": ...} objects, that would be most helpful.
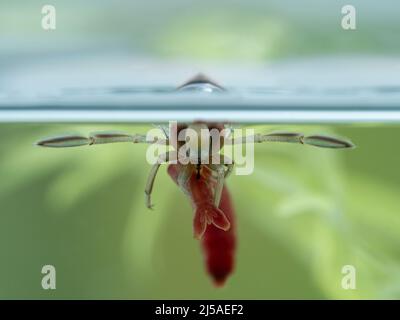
[{"x": 302, "y": 215}]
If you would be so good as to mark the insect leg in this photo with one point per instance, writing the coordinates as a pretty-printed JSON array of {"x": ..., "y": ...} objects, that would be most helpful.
[
  {"x": 291, "y": 137},
  {"x": 220, "y": 184},
  {"x": 152, "y": 176},
  {"x": 183, "y": 178},
  {"x": 229, "y": 164},
  {"x": 95, "y": 138},
  {"x": 225, "y": 161},
  {"x": 222, "y": 174},
  {"x": 219, "y": 169}
]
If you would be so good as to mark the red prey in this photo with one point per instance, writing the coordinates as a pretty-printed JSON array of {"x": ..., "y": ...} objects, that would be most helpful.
[{"x": 215, "y": 227}]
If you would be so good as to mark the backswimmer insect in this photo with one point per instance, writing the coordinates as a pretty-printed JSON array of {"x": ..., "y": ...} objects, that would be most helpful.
[{"x": 201, "y": 178}]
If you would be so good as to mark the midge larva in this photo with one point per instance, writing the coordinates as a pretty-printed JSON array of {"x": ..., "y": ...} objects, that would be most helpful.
[{"x": 204, "y": 182}]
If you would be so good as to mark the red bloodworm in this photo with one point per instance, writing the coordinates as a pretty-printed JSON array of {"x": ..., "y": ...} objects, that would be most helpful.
[
  {"x": 219, "y": 245},
  {"x": 215, "y": 227}
]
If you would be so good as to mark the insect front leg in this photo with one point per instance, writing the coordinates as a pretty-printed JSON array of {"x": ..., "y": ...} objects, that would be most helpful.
[
  {"x": 224, "y": 160},
  {"x": 222, "y": 170},
  {"x": 164, "y": 158},
  {"x": 229, "y": 164},
  {"x": 220, "y": 184},
  {"x": 183, "y": 178}
]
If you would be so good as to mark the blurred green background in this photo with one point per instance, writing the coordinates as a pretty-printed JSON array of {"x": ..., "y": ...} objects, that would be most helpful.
[
  {"x": 254, "y": 30},
  {"x": 302, "y": 215}
]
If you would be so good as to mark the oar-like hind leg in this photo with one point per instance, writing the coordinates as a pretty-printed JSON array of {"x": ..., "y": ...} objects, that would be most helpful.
[
  {"x": 321, "y": 141},
  {"x": 67, "y": 141}
]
